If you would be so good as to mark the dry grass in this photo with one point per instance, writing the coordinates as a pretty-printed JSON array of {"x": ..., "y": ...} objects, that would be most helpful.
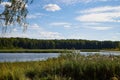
[{"x": 69, "y": 66}]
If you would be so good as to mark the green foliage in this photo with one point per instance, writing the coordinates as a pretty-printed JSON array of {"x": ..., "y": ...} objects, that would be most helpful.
[
  {"x": 68, "y": 66},
  {"x": 24, "y": 43},
  {"x": 15, "y": 11}
]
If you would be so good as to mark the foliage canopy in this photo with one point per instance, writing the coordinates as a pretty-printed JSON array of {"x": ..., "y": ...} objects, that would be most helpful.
[
  {"x": 14, "y": 11},
  {"x": 25, "y": 43}
]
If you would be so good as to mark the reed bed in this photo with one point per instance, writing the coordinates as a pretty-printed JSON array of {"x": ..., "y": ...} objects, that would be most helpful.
[{"x": 68, "y": 66}]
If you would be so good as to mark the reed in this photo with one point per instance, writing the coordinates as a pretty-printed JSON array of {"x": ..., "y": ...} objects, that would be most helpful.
[{"x": 68, "y": 66}]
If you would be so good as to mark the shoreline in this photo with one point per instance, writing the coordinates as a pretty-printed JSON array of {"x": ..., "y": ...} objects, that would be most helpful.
[
  {"x": 34, "y": 51},
  {"x": 49, "y": 50}
]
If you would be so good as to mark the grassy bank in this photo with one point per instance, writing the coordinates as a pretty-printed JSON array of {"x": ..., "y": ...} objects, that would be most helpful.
[{"x": 69, "y": 66}]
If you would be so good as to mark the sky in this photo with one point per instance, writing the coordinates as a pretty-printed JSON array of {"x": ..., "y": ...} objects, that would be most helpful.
[{"x": 71, "y": 19}]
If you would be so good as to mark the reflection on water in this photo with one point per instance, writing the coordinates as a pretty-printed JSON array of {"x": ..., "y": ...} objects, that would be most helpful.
[{"x": 21, "y": 57}]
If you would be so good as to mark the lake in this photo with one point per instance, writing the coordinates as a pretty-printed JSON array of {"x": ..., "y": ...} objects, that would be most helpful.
[{"x": 22, "y": 57}]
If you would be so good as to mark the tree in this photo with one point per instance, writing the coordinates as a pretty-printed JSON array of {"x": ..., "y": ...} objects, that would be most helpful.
[{"x": 15, "y": 12}]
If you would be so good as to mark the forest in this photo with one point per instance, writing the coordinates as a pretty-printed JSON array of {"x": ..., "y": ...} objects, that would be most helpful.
[{"x": 26, "y": 43}]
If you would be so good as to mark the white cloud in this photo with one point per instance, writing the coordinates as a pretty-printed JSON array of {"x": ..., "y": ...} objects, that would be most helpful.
[
  {"x": 115, "y": 38},
  {"x": 91, "y": 24},
  {"x": 34, "y": 26},
  {"x": 15, "y": 30},
  {"x": 51, "y": 35},
  {"x": 100, "y": 14},
  {"x": 82, "y": 1},
  {"x": 34, "y": 31},
  {"x": 102, "y": 9},
  {"x": 36, "y": 15},
  {"x": 99, "y": 28},
  {"x": 118, "y": 33},
  {"x": 61, "y": 24},
  {"x": 41, "y": 33},
  {"x": 68, "y": 2},
  {"x": 31, "y": 16},
  {"x": 96, "y": 0},
  {"x": 77, "y": 35},
  {"x": 6, "y": 3},
  {"x": 8, "y": 35},
  {"x": 52, "y": 7},
  {"x": 99, "y": 17},
  {"x": 26, "y": 5}
]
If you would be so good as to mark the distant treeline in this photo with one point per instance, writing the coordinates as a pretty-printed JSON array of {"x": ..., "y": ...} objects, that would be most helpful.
[{"x": 25, "y": 43}]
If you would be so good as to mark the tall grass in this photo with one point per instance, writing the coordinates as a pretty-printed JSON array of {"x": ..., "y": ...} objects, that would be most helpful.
[{"x": 68, "y": 66}]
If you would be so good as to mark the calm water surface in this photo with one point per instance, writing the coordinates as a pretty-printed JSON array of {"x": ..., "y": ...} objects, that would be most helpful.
[{"x": 21, "y": 57}]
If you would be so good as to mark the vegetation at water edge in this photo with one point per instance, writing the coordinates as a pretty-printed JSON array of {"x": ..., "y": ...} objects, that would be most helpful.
[{"x": 68, "y": 66}]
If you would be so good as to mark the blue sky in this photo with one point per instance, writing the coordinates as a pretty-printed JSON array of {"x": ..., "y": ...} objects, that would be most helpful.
[{"x": 72, "y": 19}]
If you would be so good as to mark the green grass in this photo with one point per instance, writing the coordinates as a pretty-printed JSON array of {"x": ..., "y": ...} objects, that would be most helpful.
[{"x": 69, "y": 66}]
